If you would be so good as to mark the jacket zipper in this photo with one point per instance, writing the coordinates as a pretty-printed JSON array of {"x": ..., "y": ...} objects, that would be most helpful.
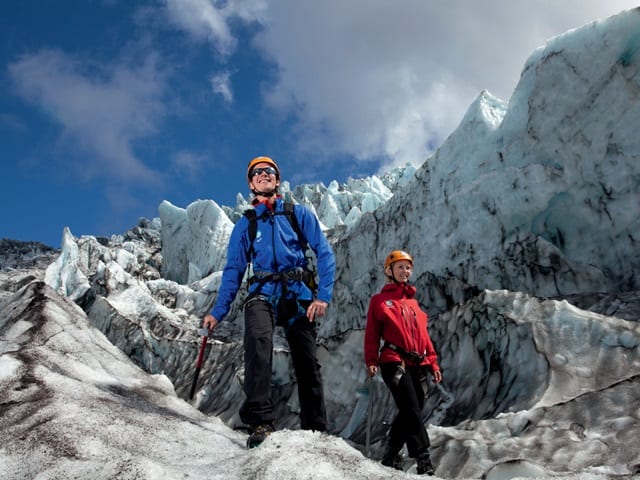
[
  {"x": 411, "y": 324},
  {"x": 273, "y": 240}
]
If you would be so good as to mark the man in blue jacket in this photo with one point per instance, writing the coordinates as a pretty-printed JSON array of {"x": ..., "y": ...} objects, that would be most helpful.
[{"x": 270, "y": 241}]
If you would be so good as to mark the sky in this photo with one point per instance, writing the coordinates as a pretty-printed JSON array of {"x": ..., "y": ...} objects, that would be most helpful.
[{"x": 109, "y": 107}]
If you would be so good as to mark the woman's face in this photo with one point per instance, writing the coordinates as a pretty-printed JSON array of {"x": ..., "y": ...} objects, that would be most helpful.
[{"x": 402, "y": 270}]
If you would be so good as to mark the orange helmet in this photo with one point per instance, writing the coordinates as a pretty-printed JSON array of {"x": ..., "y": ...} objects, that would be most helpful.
[
  {"x": 257, "y": 160},
  {"x": 397, "y": 255}
]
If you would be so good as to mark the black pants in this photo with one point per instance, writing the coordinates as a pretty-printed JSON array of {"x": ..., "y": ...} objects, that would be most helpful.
[
  {"x": 258, "y": 357},
  {"x": 409, "y": 397}
]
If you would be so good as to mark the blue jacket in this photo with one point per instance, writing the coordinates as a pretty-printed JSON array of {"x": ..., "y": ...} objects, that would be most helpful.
[{"x": 277, "y": 249}]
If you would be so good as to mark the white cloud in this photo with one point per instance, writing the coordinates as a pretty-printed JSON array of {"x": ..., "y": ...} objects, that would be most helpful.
[
  {"x": 372, "y": 77},
  {"x": 221, "y": 84},
  {"x": 102, "y": 109},
  {"x": 188, "y": 164},
  {"x": 203, "y": 21}
]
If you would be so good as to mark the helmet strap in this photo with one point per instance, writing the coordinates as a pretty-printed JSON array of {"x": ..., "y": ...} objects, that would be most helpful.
[
  {"x": 392, "y": 276},
  {"x": 268, "y": 194}
]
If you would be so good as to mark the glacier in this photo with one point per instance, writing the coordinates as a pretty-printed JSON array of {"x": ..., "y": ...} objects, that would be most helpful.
[{"x": 524, "y": 228}]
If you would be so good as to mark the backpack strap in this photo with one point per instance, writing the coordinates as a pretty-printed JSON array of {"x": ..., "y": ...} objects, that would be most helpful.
[
  {"x": 252, "y": 230},
  {"x": 310, "y": 272},
  {"x": 293, "y": 220}
]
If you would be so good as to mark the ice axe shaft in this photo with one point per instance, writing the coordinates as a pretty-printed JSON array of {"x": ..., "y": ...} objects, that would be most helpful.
[
  {"x": 369, "y": 410},
  {"x": 205, "y": 335}
]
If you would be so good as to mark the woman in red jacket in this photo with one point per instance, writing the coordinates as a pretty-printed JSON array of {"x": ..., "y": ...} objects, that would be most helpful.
[{"x": 405, "y": 359}]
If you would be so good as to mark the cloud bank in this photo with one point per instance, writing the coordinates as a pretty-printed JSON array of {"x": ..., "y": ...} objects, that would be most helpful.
[
  {"x": 102, "y": 109},
  {"x": 372, "y": 79}
]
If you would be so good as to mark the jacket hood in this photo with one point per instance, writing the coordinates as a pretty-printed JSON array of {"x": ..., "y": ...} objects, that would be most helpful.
[{"x": 400, "y": 289}]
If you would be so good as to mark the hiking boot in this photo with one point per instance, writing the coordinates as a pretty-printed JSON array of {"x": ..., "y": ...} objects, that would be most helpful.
[
  {"x": 423, "y": 464},
  {"x": 395, "y": 461},
  {"x": 392, "y": 456},
  {"x": 258, "y": 434}
]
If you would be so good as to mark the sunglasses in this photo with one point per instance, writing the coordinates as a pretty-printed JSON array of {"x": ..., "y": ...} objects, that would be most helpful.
[{"x": 261, "y": 170}]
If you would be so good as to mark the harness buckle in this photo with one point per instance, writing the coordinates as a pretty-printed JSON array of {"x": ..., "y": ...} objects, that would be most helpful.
[{"x": 413, "y": 357}]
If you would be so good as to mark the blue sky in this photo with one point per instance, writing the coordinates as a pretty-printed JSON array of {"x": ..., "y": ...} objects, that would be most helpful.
[{"x": 109, "y": 107}]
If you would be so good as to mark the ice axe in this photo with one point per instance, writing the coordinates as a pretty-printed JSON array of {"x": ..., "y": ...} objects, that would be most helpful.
[
  {"x": 205, "y": 335},
  {"x": 369, "y": 410}
]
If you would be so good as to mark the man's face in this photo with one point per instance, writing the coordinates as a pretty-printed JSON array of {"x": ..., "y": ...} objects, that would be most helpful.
[{"x": 262, "y": 180}]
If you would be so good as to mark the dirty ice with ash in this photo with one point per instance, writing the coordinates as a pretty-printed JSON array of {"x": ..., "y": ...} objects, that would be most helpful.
[{"x": 525, "y": 230}]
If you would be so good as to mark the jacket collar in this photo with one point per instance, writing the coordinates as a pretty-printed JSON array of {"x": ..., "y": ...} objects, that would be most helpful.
[
  {"x": 265, "y": 201},
  {"x": 400, "y": 290}
]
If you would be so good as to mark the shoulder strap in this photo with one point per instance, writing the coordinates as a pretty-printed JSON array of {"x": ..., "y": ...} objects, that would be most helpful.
[
  {"x": 311, "y": 280},
  {"x": 293, "y": 220},
  {"x": 253, "y": 229}
]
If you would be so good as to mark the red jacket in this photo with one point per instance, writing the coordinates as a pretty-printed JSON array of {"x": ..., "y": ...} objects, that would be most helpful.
[{"x": 395, "y": 316}]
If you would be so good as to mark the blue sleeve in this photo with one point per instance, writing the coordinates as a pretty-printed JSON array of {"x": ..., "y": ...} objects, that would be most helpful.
[
  {"x": 318, "y": 242},
  {"x": 237, "y": 260}
]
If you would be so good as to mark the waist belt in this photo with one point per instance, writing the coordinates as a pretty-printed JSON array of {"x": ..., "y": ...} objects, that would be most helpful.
[
  {"x": 299, "y": 274},
  {"x": 296, "y": 274},
  {"x": 413, "y": 357}
]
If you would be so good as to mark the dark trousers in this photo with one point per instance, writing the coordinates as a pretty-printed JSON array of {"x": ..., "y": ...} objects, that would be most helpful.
[
  {"x": 408, "y": 395},
  {"x": 258, "y": 358}
]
